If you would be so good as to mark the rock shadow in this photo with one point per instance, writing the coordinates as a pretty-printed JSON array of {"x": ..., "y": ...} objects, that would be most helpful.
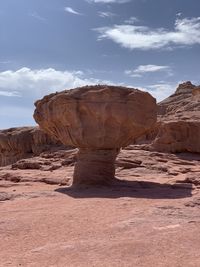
[
  {"x": 133, "y": 189},
  {"x": 188, "y": 156}
]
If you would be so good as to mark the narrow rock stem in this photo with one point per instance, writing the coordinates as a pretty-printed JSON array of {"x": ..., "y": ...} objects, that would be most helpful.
[{"x": 95, "y": 167}]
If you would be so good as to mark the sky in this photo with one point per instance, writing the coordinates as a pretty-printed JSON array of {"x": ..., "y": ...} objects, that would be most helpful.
[{"x": 52, "y": 45}]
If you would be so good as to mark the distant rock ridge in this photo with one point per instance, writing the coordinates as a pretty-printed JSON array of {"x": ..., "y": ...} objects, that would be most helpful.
[
  {"x": 23, "y": 142},
  {"x": 178, "y": 127},
  {"x": 184, "y": 88}
]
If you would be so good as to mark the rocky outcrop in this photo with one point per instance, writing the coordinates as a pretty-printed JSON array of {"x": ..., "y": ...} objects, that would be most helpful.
[
  {"x": 99, "y": 120},
  {"x": 181, "y": 103},
  {"x": 178, "y": 128},
  {"x": 178, "y": 136},
  {"x": 23, "y": 142},
  {"x": 185, "y": 88},
  {"x": 196, "y": 94}
]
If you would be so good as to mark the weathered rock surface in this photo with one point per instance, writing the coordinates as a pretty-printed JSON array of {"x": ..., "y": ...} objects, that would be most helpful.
[
  {"x": 178, "y": 136},
  {"x": 178, "y": 126},
  {"x": 99, "y": 120},
  {"x": 102, "y": 117},
  {"x": 183, "y": 103},
  {"x": 23, "y": 142}
]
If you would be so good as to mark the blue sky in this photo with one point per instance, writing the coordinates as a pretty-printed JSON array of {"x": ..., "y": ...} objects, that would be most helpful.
[{"x": 51, "y": 45}]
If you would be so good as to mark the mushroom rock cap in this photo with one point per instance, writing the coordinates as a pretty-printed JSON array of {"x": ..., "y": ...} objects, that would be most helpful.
[{"x": 97, "y": 117}]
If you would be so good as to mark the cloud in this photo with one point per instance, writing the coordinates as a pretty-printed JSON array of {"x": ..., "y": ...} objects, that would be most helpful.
[
  {"x": 36, "y": 83},
  {"x": 7, "y": 93},
  {"x": 186, "y": 33},
  {"x": 106, "y": 14},
  {"x": 72, "y": 11},
  {"x": 161, "y": 90},
  {"x": 142, "y": 69},
  {"x": 130, "y": 73},
  {"x": 131, "y": 20},
  {"x": 35, "y": 15},
  {"x": 31, "y": 85},
  {"x": 21, "y": 88},
  {"x": 109, "y": 1},
  {"x": 179, "y": 14},
  {"x": 150, "y": 68}
]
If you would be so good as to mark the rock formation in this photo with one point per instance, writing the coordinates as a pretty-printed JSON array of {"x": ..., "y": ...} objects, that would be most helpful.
[
  {"x": 185, "y": 88},
  {"x": 23, "y": 142},
  {"x": 183, "y": 101},
  {"x": 99, "y": 120},
  {"x": 178, "y": 127}
]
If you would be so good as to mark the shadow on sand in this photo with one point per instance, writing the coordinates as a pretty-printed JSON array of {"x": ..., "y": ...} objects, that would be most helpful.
[{"x": 134, "y": 189}]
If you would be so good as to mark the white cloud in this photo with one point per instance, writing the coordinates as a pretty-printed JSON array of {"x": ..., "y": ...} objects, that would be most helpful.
[
  {"x": 106, "y": 14},
  {"x": 142, "y": 69},
  {"x": 132, "y": 74},
  {"x": 161, "y": 90},
  {"x": 36, "y": 83},
  {"x": 109, "y": 1},
  {"x": 7, "y": 93},
  {"x": 31, "y": 85},
  {"x": 186, "y": 33},
  {"x": 150, "y": 68},
  {"x": 72, "y": 11},
  {"x": 35, "y": 15},
  {"x": 131, "y": 20},
  {"x": 179, "y": 14}
]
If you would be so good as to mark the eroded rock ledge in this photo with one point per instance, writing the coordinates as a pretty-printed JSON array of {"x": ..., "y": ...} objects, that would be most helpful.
[
  {"x": 23, "y": 142},
  {"x": 178, "y": 127}
]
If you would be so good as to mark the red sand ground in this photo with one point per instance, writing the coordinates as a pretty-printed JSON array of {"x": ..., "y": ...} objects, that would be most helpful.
[{"x": 151, "y": 220}]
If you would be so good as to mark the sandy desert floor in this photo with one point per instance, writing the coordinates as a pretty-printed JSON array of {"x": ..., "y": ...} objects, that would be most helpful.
[{"x": 152, "y": 219}]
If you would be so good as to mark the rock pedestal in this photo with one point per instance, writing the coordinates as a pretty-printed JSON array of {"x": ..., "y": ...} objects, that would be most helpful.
[
  {"x": 99, "y": 120},
  {"x": 95, "y": 167}
]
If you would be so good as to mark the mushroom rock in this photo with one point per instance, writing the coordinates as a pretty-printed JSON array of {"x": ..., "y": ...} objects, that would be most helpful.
[{"x": 98, "y": 120}]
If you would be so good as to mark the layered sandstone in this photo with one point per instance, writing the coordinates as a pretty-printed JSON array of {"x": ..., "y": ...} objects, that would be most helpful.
[
  {"x": 178, "y": 128},
  {"x": 99, "y": 120},
  {"x": 23, "y": 142}
]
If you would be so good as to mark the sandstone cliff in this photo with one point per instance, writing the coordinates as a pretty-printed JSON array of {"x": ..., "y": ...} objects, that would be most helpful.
[
  {"x": 178, "y": 128},
  {"x": 23, "y": 142}
]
